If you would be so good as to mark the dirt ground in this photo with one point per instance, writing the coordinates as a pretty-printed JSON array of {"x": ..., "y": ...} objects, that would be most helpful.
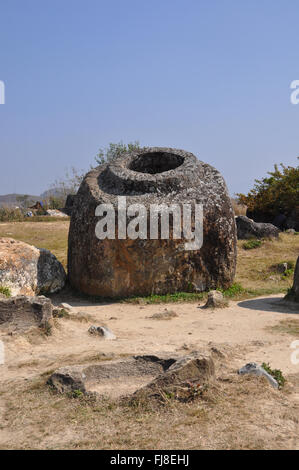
[{"x": 238, "y": 412}]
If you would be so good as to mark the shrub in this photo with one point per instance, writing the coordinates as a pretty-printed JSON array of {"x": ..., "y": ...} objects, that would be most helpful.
[
  {"x": 5, "y": 291},
  {"x": 234, "y": 290},
  {"x": 276, "y": 373},
  {"x": 10, "y": 215},
  {"x": 115, "y": 150},
  {"x": 252, "y": 244},
  {"x": 278, "y": 193}
]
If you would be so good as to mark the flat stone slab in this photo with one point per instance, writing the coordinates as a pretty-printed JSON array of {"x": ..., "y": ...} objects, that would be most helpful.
[
  {"x": 22, "y": 312},
  {"x": 137, "y": 374}
]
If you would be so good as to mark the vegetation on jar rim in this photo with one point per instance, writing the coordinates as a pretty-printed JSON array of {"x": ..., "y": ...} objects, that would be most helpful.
[{"x": 275, "y": 373}]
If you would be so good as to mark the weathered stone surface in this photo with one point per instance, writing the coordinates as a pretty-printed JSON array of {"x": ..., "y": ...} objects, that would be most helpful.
[
  {"x": 69, "y": 204},
  {"x": 216, "y": 300},
  {"x": 102, "y": 331},
  {"x": 67, "y": 379},
  {"x": 294, "y": 293},
  {"x": 102, "y": 377},
  {"x": 255, "y": 369},
  {"x": 24, "y": 312},
  {"x": 66, "y": 307},
  {"x": 145, "y": 375},
  {"x": 247, "y": 228},
  {"x": 126, "y": 267},
  {"x": 193, "y": 370},
  {"x": 28, "y": 270}
]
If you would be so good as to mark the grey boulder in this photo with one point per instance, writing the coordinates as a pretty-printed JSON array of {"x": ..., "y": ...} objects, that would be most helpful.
[
  {"x": 102, "y": 331},
  {"x": 216, "y": 300},
  {"x": 255, "y": 369},
  {"x": 247, "y": 228},
  {"x": 27, "y": 270}
]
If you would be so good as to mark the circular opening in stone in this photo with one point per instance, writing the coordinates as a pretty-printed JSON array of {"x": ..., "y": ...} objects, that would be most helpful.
[{"x": 156, "y": 162}]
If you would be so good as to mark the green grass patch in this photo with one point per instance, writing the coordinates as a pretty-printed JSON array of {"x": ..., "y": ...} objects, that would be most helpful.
[
  {"x": 5, "y": 291},
  {"x": 234, "y": 292},
  {"x": 276, "y": 374},
  {"x": 252, "y": 244},
  {"x": 166, "y": 298}
]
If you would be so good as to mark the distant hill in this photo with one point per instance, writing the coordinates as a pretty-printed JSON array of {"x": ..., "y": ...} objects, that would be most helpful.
[{"x": 11, "y": 200}]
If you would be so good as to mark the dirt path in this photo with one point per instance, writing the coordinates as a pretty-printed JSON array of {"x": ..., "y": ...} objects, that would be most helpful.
[
  {"x": 259, "y": 330},
  {"x": 244, "y": 326}
]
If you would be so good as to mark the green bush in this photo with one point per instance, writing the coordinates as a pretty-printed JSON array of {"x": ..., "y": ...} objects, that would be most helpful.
[
  {"x": 234, "y": 290},
  {"x": 5, "y": 291},
  {"x": 278, "y": 193},
  {"x": 116, "y": 150},
  {"x": 276, "y": 373}
]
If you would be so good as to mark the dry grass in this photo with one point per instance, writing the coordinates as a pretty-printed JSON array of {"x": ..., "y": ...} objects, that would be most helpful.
[
  {"x": 239, "y": 209},
  {"x": 289, "y": 326},
  {"x": 255, "y": 267},
  {"x": 165, "y": 315},
  {"x": 49, "y": 235},
  {"x": 236, "y": 413}
]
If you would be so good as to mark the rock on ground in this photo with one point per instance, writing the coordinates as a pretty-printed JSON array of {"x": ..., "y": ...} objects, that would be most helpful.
[
  {"x": 184, "y": 374},
  {"x": 216, "y": 300},
  {"x": 138, "y": 267},
  {"x": 28, "y": 270},
  {"x": 148, "y": 375},
  {"x": 247, "y": 228},
  {"x": 255, "y": 369},
  {"x": 69, "y": 204},
  {"x": 102, "y": 331},
  {"x": 56, "y": 213},
  {"x": 23, "y": 312}
]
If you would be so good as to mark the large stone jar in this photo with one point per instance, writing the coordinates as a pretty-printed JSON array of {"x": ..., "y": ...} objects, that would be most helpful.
[{"x": 124, "y": 267}]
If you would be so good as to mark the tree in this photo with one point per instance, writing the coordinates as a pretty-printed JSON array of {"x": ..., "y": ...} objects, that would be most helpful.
[
  {"x": 278, "y": 193},
  {"x": 73, "y": 178},
  {"x": 58, "y": 192}
]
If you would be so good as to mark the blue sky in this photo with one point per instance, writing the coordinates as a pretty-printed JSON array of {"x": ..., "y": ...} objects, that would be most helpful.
[{"x": 212, "y": 77}]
